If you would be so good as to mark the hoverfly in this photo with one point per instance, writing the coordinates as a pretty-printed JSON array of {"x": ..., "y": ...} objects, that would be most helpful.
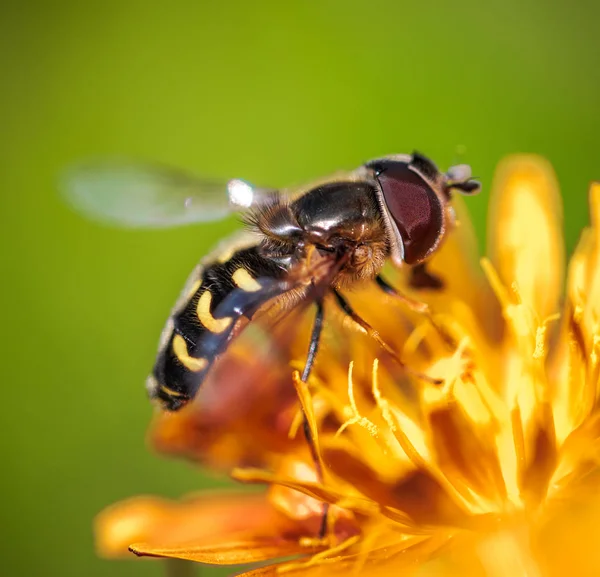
[{"x": 308, "y": 244}]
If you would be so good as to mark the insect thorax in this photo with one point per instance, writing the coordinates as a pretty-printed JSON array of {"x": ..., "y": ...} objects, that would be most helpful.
[{"x": 340, "y": 217}]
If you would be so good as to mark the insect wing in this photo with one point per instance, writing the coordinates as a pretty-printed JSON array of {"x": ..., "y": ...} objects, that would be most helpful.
[{"x": 136, "y": 195}]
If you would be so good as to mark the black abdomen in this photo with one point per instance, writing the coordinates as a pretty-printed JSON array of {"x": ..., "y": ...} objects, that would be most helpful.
[{"x": 199, "y": 329}]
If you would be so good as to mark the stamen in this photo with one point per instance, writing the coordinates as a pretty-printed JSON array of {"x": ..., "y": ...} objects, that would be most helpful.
[
  {"x": 320, "y": 388},
  {"x": 368, "y": 543},
  {"x": 514, "y": 287},
  {"x": 494, "y": 279},
  {"x": 595, "y": 343},
  {"x": 452, "y": 368},
  {"x": 307, "y": 409},
  {"x": 590, "y": 386},
  {"x": 295, "y": 424},
  {"x": 381, "y": 402},
  {"x": 529, "y": 340},
  {"x": 416, "y": 337},
  {"x": 322, "y": 556},
  {"x": 356, "y": 418},
  {"x": 405, "y": 443},
  {"x": 540, "y": 336},
  {"x": 399, "y": 424},
  {"x": 518, "y": 439}
]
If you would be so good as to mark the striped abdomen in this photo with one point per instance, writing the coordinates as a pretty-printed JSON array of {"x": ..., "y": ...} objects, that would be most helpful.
[{"x": 216, "y": 297}]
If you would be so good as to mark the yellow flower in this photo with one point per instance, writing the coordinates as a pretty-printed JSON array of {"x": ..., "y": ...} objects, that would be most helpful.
[{"x": 494, "y": 472}]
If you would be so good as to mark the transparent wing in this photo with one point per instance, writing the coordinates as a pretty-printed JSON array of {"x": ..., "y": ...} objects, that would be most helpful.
[{"x": 138, "y": 195}]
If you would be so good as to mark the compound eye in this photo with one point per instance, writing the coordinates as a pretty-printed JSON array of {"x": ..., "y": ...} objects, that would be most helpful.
[{"x": 414, "y": 206}]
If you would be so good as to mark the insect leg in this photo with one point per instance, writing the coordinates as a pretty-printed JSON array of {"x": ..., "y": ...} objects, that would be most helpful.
[
  {"x": 418, "y": 306},
  {"x": 412, "y": 304},
  {"x": 315, "y": 338},
  {"x": 313, "y": 348},
  {"x": 371, "y": 332}
]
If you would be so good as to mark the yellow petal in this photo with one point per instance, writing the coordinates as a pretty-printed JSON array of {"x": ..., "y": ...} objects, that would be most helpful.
[
  {"x": 525, "y": 239},
  {"x": 591, "y": 312},
  {"x": 465, "y": 453},
  {"x": 229, "y": 552},
  {"x": 343, "y": 496},
  {"x": 568, "y": 542},
  {"x": 574, "y": 388},
  {"x": 416, "y": 497},
  {"x": 294, "y": 504},
  {"x": 200, "y": 519},
  {"x": 376, "y": 557},
  {"x": 457, "y": 263}
]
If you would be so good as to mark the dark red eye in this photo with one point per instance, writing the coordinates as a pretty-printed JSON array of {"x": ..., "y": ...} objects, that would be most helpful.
[{"x": 414, "y": 207}]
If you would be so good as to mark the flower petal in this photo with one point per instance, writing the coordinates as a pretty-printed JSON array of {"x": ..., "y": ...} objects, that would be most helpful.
[
  {"x": 457, "y": 263},
  {"x": 567, "y": 543},
  {"x": 465, "y": 452},
  {"x": 376, "y": 557},
  {"x": 417, "y": 497},
  {"x": 294, "y": 504},
  {"x": 525, "y": 238},
  {"x": 336, "y": 496},
  {"x": 204, "y": 519},
  {"x": 230, "y": 552},
  {"x": 589, "y": 291},
  {"x": 574, "y": 361}
]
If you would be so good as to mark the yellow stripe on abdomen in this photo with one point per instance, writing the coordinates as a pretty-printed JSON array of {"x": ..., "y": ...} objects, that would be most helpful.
[
  {"x": 170, "y": 392},
  {"x": 205, "y": 316},
  {"x": 181, "y": 352},
  {"x": 243, "y": 279}
]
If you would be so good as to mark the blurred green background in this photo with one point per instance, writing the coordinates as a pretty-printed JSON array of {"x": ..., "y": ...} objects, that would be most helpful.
[{"x": 275, "y": 92}]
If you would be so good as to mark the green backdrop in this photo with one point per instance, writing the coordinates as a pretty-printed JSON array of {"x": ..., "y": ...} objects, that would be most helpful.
[{"x": 276, "y": 92}]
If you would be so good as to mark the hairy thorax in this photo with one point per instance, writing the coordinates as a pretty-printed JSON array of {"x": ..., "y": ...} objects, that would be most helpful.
[{"x": 335, "y": 229}]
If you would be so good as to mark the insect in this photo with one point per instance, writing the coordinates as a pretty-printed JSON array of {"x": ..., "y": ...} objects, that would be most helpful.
[{"x": 305, "y": 245}]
